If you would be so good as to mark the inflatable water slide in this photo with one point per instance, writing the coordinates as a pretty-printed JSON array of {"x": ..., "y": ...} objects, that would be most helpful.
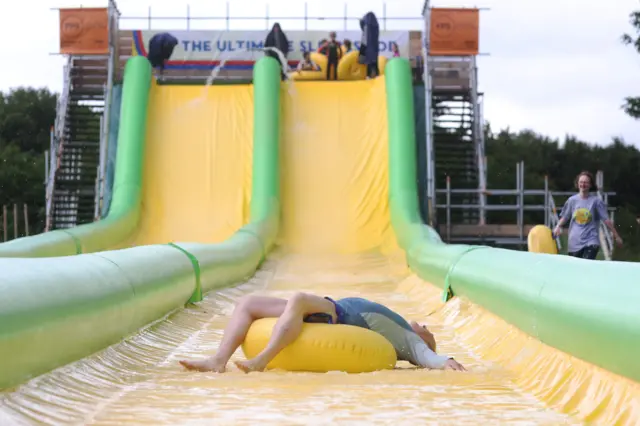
[{"x": 271, "y": 188}]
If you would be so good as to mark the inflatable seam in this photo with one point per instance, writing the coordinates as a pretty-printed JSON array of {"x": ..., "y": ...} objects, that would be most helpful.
[
  {"x": 448, "y": 292},
  {"x": 133, "y": 288},
  {"x": 263, "y": 249},
  {"x": 197, "y": 293},
  {"x": 76, "y": 241},
  {"x": 536, "y": 306}
]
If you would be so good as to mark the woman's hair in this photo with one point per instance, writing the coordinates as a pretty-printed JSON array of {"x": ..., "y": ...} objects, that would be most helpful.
[{"x": 588, "y": 174}]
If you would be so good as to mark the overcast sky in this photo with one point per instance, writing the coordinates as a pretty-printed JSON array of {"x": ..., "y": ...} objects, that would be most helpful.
[{"x": 554, "y": 66}]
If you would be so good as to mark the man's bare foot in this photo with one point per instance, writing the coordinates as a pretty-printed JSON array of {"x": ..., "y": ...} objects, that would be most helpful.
[
  {"x": 204, "y": 365},
  {"x": 249, "y": 365}
]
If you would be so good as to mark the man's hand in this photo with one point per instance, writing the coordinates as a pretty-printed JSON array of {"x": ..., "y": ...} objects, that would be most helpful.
[{"x": 452, "y": 364}]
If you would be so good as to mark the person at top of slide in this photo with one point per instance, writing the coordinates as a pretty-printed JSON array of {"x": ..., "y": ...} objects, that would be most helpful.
[
  {"x": 307, "y": 64},
  {"x": 333, "y": 50},
  {"x": 161, "y": 48},
  {"x": 369, "y": 44},
  {"x": 585, "y": 211},
  {"x": 277, "y": 39},
  {"x": 413, "y": 342}
]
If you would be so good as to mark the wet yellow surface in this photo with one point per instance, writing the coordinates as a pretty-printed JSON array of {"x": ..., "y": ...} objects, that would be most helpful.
[
  {"x": 197, "y": 164},
  {"x": 510, "y": 376},
  {"x": 336, "y": 240},
  {"x": 140, "y": 381}
]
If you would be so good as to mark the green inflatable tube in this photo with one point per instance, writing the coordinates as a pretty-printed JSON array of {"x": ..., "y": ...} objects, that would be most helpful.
[
  {"x": 124, "y": 215},
  {"x": 56, "y": 310},
  {"x": 587, "y": 309}
]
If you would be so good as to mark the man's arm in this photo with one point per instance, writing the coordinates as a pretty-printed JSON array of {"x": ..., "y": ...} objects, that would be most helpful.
[
  {"x": 426, "y": 358},
  {"x": 567, "y": 211},
  {"x": 601, "y": 208}
]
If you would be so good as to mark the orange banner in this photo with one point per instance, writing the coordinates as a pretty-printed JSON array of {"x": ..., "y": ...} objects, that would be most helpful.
[
  {"x": 454, "y": 32},
  {"x": 84, "y": 31}
]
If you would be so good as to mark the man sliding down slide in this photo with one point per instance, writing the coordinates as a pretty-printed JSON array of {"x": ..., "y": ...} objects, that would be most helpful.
[{"x": 412, "y": 342}]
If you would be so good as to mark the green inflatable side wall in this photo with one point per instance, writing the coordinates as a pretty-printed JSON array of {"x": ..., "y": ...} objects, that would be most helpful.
[
  {"x": 584, "y": 308},
  {"x": 112, "y": 148},
  {"x": 57, "y": 310}
]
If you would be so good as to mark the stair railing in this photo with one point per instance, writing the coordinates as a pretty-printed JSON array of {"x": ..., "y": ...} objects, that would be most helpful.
[
  {"x": 554, "y": 218},
  {"x": 604, "y": 233},
  {"x": 112, "y": 64},
  {"x": 57, "y": 141},
  {"x": 478, "y": 139}
]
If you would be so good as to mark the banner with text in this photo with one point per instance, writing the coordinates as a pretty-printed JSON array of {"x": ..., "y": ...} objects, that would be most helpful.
[{"x": 240, "y": 49}]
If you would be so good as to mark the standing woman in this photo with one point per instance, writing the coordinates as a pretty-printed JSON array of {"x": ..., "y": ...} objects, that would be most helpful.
[
  {"x": 277, "y": 39},
  {"x": 585, "y": 211},
  {"x": 395, "y": 50},
  {"x": 333, "y": 50}
]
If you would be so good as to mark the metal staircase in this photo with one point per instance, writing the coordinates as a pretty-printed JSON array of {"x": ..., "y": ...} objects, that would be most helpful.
[
  {"x": 457, "y": 139},
  {"x": 78, "y": 147},
  {"x": 455, "y": 151},
  {"x": 73, "y": 189}
]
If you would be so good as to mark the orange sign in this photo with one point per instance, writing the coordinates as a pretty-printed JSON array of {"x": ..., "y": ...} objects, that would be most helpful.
[
  {"x": 84, "y": 31},
  {"x": 454, "y": 32}
]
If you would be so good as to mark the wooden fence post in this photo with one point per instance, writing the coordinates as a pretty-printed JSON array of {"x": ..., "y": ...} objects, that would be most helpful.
[
  {"x": 15, "y": 221},
  {"x": 26, "y": 219},
  {"x": 4, "y": 223}
]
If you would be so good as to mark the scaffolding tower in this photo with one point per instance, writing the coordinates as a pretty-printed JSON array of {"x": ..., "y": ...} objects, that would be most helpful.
[{"x": 455, "y": 143}]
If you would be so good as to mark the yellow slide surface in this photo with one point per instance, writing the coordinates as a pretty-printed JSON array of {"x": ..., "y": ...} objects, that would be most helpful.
[
  {"x": 336, "y": 240},
  {"x": 197, "y": 172}
]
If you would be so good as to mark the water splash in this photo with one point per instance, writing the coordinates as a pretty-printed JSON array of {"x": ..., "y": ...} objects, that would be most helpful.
[
  {"x": 299, "y": 125},
  {"x": 289, "y": 81},
  {"x": 285, "y": 69}
]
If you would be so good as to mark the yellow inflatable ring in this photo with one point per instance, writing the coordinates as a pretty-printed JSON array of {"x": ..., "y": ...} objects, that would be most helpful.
[
  {"x": 324, "y": 347},
  {"x": 321, "y": 61},
  {"x": 540, "y": 240},
  {"x": 350, "y": 69}
]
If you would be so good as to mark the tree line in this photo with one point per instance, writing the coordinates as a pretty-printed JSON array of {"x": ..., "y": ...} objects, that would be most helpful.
[{"x": 26, "y": 117}]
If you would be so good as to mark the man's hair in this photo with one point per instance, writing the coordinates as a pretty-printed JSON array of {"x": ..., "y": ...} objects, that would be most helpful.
[
  {"x": 431, "y": 342},
  {"x": 426, "y": 335},
  {"x": 588, "y": 174}
]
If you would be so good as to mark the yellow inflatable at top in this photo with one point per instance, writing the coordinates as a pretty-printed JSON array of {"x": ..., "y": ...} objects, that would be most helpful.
[
  {"x": 348, "y": 67},
  {"x": 540, "y": 240}
]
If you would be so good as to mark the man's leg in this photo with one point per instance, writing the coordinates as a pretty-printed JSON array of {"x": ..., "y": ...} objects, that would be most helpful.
[
  {"x": 288, "y": 328},
  {"x": 590, "y": 252},
  {"x": 249, "y": 309}
]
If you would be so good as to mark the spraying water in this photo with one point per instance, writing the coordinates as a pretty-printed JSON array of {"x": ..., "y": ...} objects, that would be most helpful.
[
  {"x": 215, "y": 71},
  {"x": 285, "y": 69},
  {"x": 291, "y": 89}
]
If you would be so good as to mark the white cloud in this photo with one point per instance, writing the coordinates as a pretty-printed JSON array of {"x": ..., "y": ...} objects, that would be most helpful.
[{"x": 555, "y": 66}]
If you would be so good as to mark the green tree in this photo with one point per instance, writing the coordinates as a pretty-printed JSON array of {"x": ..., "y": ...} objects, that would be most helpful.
[
  {"x": 26, "y": 116},
  {"x": 561, "y": 162},
  {"x": 632, "y": 103}
]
